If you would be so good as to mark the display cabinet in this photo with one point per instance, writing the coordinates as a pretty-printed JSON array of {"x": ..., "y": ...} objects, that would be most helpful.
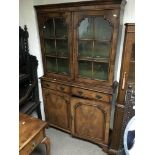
[
  {"x": 126, "y": 91},
  {"x": 78, "y": 44}
]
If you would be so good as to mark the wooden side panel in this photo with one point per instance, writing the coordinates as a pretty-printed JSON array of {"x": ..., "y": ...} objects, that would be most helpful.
[
  {"x": 90, "y": 120},
  {"x": 56, "y": 108},
  {"x": 122, "y": 103}
]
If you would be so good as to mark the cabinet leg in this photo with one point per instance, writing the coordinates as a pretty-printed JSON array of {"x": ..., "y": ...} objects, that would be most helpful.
[{"x": 46, "y": 141}]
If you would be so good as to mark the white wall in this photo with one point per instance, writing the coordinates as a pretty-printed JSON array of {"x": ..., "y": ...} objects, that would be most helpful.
[
  {"x": 27, "y": 16},
  {"x": 41, "y": 2}
]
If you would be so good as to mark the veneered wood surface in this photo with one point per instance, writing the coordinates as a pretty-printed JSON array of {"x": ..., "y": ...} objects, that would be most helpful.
[
  {"x": 90, "y": 119},
  {"x": 29, "y": 127},
  {"x": 56, "y": 108},
  {"x": 73, "y": 18},
  {"x": 129, "y": 40},
  {"x": 127, "y": 51}
]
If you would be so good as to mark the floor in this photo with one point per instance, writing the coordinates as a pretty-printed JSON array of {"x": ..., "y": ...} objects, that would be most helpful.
[{"x": 64, "y": 144}]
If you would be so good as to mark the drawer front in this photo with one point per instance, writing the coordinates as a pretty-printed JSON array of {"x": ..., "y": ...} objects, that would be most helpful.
[
  {"x": 55, "y": 86},
  {"x": 49, "y": 85},
  {"x": 32, "y": 144},
  {"x": 63, "y": 88},
  {"x": 91, "y": 94}
]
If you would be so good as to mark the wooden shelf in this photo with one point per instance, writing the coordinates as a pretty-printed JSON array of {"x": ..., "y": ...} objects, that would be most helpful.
[
  {"x": 56, "y": 56},
  {"x": 87, "y": 39},
  {"x": 53, "y": 38},
  {"x": 106, "y": 60}
]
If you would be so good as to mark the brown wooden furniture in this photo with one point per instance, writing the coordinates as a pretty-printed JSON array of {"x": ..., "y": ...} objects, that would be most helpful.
[
  {"x": 31, "y": 133},
  {"x": 78, "y": 43},
  {"x": 126, "y": 92},
  {"x": 28, "y": 79}
]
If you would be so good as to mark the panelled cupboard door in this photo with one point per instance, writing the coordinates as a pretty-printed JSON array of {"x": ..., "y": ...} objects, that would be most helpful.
[
  {"x": 57, "y": 109},
  {"x": 56, "y": 44},
  {"x": 90, "y": 120},
  {"x": 95, "y": 39}
]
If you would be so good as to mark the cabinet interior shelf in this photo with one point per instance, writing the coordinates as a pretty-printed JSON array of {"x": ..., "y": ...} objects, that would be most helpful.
[
  {"x": 56, "y": 56},
  {"x": 59, "y": 73},
  {"x": 106, "y": 60},
  {"x": 92, "y": 39},
  {"x": 53, "y": 38}
]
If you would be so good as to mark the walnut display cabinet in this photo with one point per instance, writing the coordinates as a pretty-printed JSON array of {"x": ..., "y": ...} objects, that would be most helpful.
[
  {"x": 78, "y": 44},
  {"x": 126, "y": 91}
]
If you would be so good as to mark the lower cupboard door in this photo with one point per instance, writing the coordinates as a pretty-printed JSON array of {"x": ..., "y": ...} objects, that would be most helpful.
[
  {"x": 90, "y": 120},
  {"x": 57, "y": 109}
]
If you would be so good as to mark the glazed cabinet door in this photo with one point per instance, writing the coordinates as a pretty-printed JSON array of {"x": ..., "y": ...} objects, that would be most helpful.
[
  {"x": 90, "y": 120},
  {"x": 55, "y": 37},
  {"x": 95, "y": 45},
  {"x": 57, "y": 109}
]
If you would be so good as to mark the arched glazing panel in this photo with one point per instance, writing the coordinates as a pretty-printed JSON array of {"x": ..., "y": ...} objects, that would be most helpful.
[
  {"x": 94, "y": 47},
  {"x": 55, "y": 32}
]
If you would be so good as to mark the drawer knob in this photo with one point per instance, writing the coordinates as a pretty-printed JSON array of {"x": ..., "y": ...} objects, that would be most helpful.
[
  {"x": 33, "y": 144},
  {"x": 62, "y": 88},
  {"x": 98, "y": 97},
  {"x": 80, "y": 92},
  {"x": 47, "y": 85}
]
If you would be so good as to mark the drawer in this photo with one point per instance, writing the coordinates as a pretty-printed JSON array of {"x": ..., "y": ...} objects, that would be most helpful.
[
  {"x": 91, "y": 94},
  {"x": 32, "y": 143},
  {"x": 63, "y": 88},
  {"x": 49, "y": 85}
]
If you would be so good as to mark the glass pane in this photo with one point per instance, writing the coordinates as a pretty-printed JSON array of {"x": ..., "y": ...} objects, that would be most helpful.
[
  {"x": 85, "y": 48},
  {"x": 63, "y": 66},
  {"x": 133, "y": 53},
  {"x": 49, "y": 47},
  {"x": 100, "y": 71},
  {"x": 103, "y": 30},
  {"x": 61, "y": 28},
  {"x": 85, "y": 68},
  {"x": 101, "y": 49},
  {"x": 51, "y": 64},
  {"x": 86, "y": 28},
  {"x": 48, "y": 28},
  {"x": 62, "y": 48},
  {"x": 131, "y": 77}
]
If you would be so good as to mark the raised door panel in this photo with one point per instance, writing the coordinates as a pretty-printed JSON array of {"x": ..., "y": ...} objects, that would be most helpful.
[
  {"x": 57, "y": 109},
  {"x": 90, "y": 120},
  {"x": 95, "y": 45}
]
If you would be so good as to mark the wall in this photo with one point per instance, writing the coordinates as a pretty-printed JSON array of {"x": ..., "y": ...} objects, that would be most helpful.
[
  {"x": 27, "y": 16},
  {"x": 41, "y": 2}
]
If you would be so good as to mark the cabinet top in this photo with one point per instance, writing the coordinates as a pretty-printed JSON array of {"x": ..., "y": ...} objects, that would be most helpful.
[{"x": 82, "y": 3}]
